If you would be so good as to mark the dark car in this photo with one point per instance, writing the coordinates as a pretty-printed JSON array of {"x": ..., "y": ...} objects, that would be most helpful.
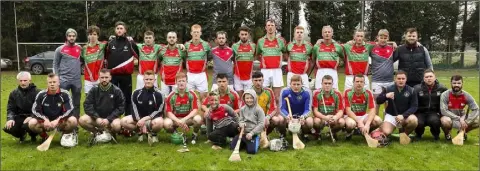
[{"x": 41, "y": 63}]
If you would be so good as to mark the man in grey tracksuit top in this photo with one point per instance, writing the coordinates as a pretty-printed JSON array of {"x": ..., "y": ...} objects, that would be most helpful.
[
  {"x": 66, "y": 64},
  {"x": 252, "y": 118}
]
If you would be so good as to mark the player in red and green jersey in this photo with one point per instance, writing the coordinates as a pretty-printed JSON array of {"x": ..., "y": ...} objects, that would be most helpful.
[
  {"x": 327, "y": 54},
  {"x": 171, "y": 58},
  {"x": 148, "y": 59},
  {"x": 197, "y": 52},
  {"x": 356, "y": 60},
  {"x": 357, "y": 102},
  {"x": 299, "y": 57},
  {"x": 225, "y": 95},
  {"x": 327, "y": 108},
  {"x": 270, "y": 50},
  {"x": 244, "y": 51},
  {"x": 92, "y": 57},
  {"x": 181, "y": 108}
]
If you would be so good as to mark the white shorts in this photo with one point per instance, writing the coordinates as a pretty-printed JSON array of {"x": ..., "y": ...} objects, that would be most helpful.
[
  {"x": 215, "y": 86},
  {"x": 89, "y": 85},
  {"x": 240, "y": 85},
  {"x": 304, "y": 79},
  {"x": 357, "y": 117},
  {"x": 377, "y": 87},
  {"x": 272, "y": 77},
  {"x": 141, "y": 84},
  {"x": 197, "y": 82},
  {"x": 390, "y": 119},
  {"x": 166, "y": 90},
  {"x": 349, "y": 82},
  {"x": 326, "y": 71}
]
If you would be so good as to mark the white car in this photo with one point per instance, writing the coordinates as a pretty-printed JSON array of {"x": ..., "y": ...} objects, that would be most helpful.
[{"x": 5, "y": 63}]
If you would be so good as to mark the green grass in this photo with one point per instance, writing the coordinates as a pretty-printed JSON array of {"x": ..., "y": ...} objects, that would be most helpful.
[{"x": 130, "y": 155}]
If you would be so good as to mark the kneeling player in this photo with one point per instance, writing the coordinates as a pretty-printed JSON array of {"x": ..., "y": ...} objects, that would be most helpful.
[
  {"x": 357, "y": 102},
  {"x": 182, "y": 106},
  {"x": 300, "y": 102},
  {"x": 327, "y": 108},
  {"x": 103, "y": 105},
  {"x": 401, "y": 107},
  {"x": 221, "y": 122},
  {"x": 252, "y": 120},
  {"x": 147, "y": 104},
  {"x": 52, "y": 109},
  {"x": 452, "y": 103}
]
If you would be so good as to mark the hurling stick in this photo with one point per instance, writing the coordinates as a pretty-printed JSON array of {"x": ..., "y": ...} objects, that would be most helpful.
[
  {"x": 458, "y": 140},
  {"x": 264, "y": 140},
  {"x": 45, "y": 145},
  {"x": 296, "y": 142},
  {"x": 404, "y": 139},
  {"x": 373, "y": 143},
  {"x": 236, "y": 152}
]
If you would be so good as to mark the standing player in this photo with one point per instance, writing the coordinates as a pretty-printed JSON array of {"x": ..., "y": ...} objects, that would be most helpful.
[
  {"x": 452, "y": 103},
  {"x": 147, "y": 104},
  {"x": 299, "y": 57},
  {"x": 197, "y": 52},
  {"x": 19, "y": 107},
  {"x": 92, "y": 56},
  {"x": 172, "y": 58},
  {"x": 266, "y": 101},
  {"x": 400, "y": 114},
  {"x": 327, "y": 108},
  {"x": 52, "y": 110},
  {"x": 428, "y": 112},
  {"x": 300, "y": 102},
  {"x": 356, "y": 59},
  {"x": 327, "y": 54},
  {"x": 225, "y": 95},
  {"x": 222, "y": 59},
  {"x": 270, "y": 50},
  {"x": 413, "y": 58},
  {"x": 357, "y": 102},
  {"x": 181, "y": 108},
  {"x": 119, "y": 59},
  {"x": 148, "y": 59},
  {"x": 244, "y": 55},
  {"x": 103, "y": 106}
]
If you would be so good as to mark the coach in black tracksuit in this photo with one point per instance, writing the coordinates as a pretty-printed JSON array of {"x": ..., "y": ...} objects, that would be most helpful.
[
  {"x": 119, "y": 56},
  {"x": 19, "y": 107},
  {"x": 428, "y": 112}
]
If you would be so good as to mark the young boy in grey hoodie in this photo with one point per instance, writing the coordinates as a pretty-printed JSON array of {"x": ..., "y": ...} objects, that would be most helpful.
[{"x": 252, "y": 119}]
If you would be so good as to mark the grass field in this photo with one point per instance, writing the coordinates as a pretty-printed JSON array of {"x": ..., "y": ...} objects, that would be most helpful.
[{"x": 351, "y": 155}]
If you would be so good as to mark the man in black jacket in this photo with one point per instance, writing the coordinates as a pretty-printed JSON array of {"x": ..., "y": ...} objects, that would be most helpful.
[
  {"x": 103, "y": 105},
  {"x": 52, "y": 110},
  {"x": 428, "y": 112},
  {"x": 119, "y": 56},
  {"x": 412, "y": 58},
  {"x": 147, "y": 104},
  {"x": 402, "y": 104},
  {"x": 19, "y": 108}
]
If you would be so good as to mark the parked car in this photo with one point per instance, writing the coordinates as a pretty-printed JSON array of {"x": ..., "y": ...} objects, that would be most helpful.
[
  {"x": 41, "y": 63},
  {"x": 5, "y": 63}
]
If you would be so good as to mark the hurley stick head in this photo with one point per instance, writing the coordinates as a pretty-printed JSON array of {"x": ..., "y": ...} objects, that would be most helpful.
[
  {"x": 264, "y": 140},
  {"x": 372, "y": 143},
  {"x": 458, "y": 140},
  {"x": 236, "y": 152},
  {"x": 46, "y": 145},
  {"x": 404, "y": 139},
  {"x": 297, "y": 143}
]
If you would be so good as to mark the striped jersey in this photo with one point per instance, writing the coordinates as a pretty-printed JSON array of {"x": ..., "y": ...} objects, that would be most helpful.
[
  {"x": 244, "y": 57},
  {"x": 197, "y": 56},
  {"x": 328, "y": 56},
  {"x": 271, "y": 52},
  {"x": 356, "y": 61},
  {"x": 148, "y": 57},
  {"x": 328, "y": 105},
  {"x": 180, "y": 105},
  {"x": 359, "y": 103},
  {"x": 93, "y": 55},
  {"x": 171, "y": 64},
  {"x": 299, "y": 56}
]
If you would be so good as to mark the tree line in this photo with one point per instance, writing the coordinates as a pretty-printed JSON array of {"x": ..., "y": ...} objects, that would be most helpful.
[{"x": 437, "y": 22}]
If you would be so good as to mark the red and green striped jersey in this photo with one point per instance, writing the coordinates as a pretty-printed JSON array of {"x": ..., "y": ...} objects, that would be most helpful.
[
  {"x": 148, "y": 57},
  {"x": 172, "y": 60},
  {"x": 357, "y": 58},
  {"x": 93, "y": 57},
  {"x": 197, "y": 56},
  {"x": 299, "y": 56},
  {"x": 359, "y": 103},
  {"x": 328, "y": 105},
  {"x": 271, "y": 52},
  {"x": 244, "y": 57},
  {"x": 328, "y": 56},
  {"x": 231, "y": 99},
  {"x": 181, "y": 106}
]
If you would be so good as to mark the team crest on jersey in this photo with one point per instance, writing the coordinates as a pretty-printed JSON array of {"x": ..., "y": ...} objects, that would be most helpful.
[
  {"x": 420, "y": 93},
  {"x": 125, "y": 48},
  {"x": 113, "y": 47},
  {"x": 46, "y": 104},
  {"x": 449, "y": 104},
  {"x": 150, "y": 102},
  {"x": 299, "y": 97},
  {"x": 438, "y": 93},
  {"x": 111, "y": 96},
  {"x": 59, "y": 104},
  {"x": 406, "y": 94},
  {"x": 462, "y": 104},
  {"x": 140, "y": 102}
]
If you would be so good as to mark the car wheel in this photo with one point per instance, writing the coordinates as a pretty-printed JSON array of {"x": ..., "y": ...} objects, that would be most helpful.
[
  {"x": 284, "y": 70},
  {"x": 37, "y": 69}
]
